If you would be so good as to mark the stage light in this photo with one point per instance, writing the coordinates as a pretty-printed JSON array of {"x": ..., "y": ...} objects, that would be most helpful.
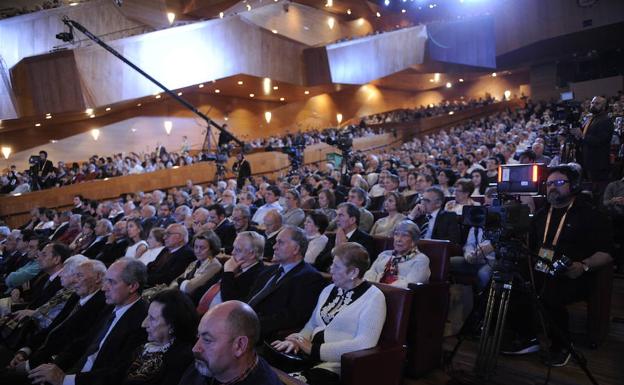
[
  {"x": 339, "y": 118},
  {"x": 266, "y": 85},
  {"x": 330, "y": 22},
  {"x": 267, "y": 116},
  {"x": 95, "y": 133},
  {"x": 168, "y": 126},
  {"x": 6, "y": 151},
  {"x": 449, "y": 85},
  {"x": 171, "y": 17}
]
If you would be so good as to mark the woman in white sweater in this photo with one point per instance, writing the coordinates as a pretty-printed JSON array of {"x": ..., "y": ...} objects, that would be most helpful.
[
  {"x": 403, "y": 265},
  {"x": 348, "y": 317}
]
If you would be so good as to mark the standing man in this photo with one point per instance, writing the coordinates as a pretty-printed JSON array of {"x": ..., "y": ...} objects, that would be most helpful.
[{"x": 243, "y": 168}]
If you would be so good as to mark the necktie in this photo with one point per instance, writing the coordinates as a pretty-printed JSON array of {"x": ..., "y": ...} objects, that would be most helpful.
[
  {"x": 95, "y": 345},
  {"x": 425, "y": 226},
  {"x": 267, "y": 288}
]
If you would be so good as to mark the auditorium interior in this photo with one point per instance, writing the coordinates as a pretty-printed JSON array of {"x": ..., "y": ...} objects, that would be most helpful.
[{"x": 112, "y": 108}]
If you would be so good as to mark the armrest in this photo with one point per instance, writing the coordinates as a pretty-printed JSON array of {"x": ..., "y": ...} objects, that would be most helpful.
[
  {"x": 285, "y": 378},
  {"x": 365, "y": 366}
]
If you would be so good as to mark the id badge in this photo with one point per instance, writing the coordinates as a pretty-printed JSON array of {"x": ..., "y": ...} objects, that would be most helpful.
[{"x": 546, "y": 253}]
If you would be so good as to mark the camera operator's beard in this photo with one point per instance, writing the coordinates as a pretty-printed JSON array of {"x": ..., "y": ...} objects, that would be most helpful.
[
  {"x": 556, "y": 198},
  {"x": 202, "y": 367},
  {"x": 595, "y": 110}
]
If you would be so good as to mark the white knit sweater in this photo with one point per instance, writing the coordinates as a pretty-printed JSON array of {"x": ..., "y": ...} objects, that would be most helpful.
[
  {"x": 356, "y": 327},
  {"x": 414, "y": 270}
]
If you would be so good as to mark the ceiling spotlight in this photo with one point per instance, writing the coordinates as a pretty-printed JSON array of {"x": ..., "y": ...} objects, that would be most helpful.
[
  {"x": 339, "y": 118},
  {"x": 449, "y": 85},
  {"x": 171, "y": 17},
  {"x": 386, "y": 2},
  {"x": 306, "y": 92},
  {"x": 89, "y": 111},
  {"x": 157, "y": 96},
  {"x": 37, "y": 124},
  {"x": 267, "y": 116},
  {"x": 139, "y": 104},
  {"x": 248, "y": 7},
  {"x": 461, "y": 80},
  {"x": 240, "y": 82},
  {"x": 95, "y": 133},
  {"x": 221, "y": 15},
  {"x": 275, "y": 87},
  {"x": 331, "y": 22},
  {"x": 378, "y": 14},
  {"x": 108, "y": 108},
  {"x": 168, "y": 126},
  {"x": 282, "y": 99},
  {"x": 274, "y": 30},
  {"x": 92, "y": 116},
  {"x": 179, "y": 93},
  {"x": 217, "y": 91},
  {"x": 349, "y": 11},
  {"x": 6, "y": 151},
  {"x": 403, "y": 11},
  {"x": 201, "y": 86},
  {"x": 493, "y": 74},
  {"x": 436, "y": 77},
  {"x": 251, "y": 95},
  {"x": 48, "y": 116},
  {"x": 266, "y": 85}
]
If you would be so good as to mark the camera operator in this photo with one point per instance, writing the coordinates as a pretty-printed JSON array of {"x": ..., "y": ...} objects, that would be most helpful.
[
  {"x": 242, "y": 168},
  {"x": 41, "y": 170},
  {"x": 567, "y": 227},
  {"x": 595, "y": 144}
]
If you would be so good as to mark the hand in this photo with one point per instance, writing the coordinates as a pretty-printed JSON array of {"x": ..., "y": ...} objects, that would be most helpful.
[
  {"x": 15, "y": 295},
  {"x": 576, "y": 132},
  {"x": 417, "y": 211},
  {"x": 341, "y": 237},
  {"x": 575, "y": 270},
  {"x": 471, "y": 257},
  {"x": 23, "y": 314},
  {"x": 303, "y": 344},
  {"x": 49, "y": 373},
  {"x": 232, "y": 265},
  {"x": 285, "y": 346},
  {"x": 18, "y": 358}
]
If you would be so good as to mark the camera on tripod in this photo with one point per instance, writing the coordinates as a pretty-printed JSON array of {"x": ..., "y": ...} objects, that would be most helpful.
[{"x": 343, "y": 141}]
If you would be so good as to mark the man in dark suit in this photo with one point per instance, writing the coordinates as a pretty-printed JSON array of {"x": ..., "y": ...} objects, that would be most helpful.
[
  {"x": 243, "y": 168},
  {"x": 61, "y": 224},
  {"x": 241, "y": 217},
  {"x": 347, "y": 222},
  {"x": 285, "y": 294},
  {"x": 223, "y": 227},
  {"x": 148, "y": 218},
  {"x": 48, "y": 282},
  {"x": 104, "y": 355},
  {"x": 116, "y": 244},
  {"x": 78, "y": 315},
  {"x": 41, "y": 172},
  {"x": 103, "y": 229},
  {"x": 165, "y": 218},
  {"x": 595, "y": 140},
  {"x": 272, "y": 225},
  {"x": 434, "y": 222},
  {"x": 168, "y": 266}
]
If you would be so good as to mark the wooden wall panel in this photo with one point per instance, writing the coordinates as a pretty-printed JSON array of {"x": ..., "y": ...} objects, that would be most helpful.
[{"x": 363, "y": 60}]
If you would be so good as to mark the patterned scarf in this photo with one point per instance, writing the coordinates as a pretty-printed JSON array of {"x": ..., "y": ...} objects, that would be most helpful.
[{"x": 391, "y": 271}]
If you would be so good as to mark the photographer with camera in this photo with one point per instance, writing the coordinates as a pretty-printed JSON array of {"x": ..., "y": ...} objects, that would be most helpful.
[
  {"x": 41, "y": 170},
  {"x": 572, "y": 240}
]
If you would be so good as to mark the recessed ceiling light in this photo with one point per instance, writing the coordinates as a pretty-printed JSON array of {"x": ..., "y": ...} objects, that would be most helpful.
[
  {"x": 240, "y": 82},
  {"x": 275, "y": 87},
  {"x": 282, "y": 99},
  {"x": 461, "y": 80},
  {"x": 179, "y": 93},
  {"x": 217, "y": 91},
  {"x": 251, "y": 95},
  {"x": 274, "y": 30},
  {"x": 157, "y": 96},
  {"x": 108, "y": 108},
  {"x": 139, "y": 104},
  {"x": 89, "y": 111},
  {"x": 92, "y": 116},
  {"x": 37, "y": 124},
  {"x": 306, "y": 92},
  {"x": 48, "y": 116},
  {"x": 201, "y": 86}
]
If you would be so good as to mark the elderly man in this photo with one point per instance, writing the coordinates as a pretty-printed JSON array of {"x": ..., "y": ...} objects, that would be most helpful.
[
  {"x": 148, "y": 217},
  {"x": 285, "y": 294},
  {"x": 272, "y": 225},
  {"x": 102, "y": 230},
  {"x": 434, "y": 222},
  {"x": 116, "y": 244},
  {"x": 271, "y": 197},
  {"x": 104, "y": 356},
  {"x": 224, "y": 352},
  {"x": 84, "y": 276},
  {"x": 170, "y": 265},
  {"x": 240, "y": 271},
  {"x": 241, "y": 217}
]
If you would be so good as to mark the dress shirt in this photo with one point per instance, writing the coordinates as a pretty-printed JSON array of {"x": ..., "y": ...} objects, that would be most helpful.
[
  {"x": 262, "y": 210},
  {"x": 431, "y": 224},
  {"x": 119, "y": 312}
]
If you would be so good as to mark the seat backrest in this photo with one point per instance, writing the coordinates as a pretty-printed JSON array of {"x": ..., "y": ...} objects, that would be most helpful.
[
  {"x": 439, "y": 253},
  {"x": 382, "y": 243},
  {"x": 398, "y": 307}
]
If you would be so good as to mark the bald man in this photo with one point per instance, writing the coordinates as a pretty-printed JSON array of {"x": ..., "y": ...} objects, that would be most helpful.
[{"x": 224, "y": 352}]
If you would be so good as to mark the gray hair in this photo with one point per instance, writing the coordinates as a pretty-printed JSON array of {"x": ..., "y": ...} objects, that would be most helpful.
[
  {"x": 97, "y": 266},
  {"x": 187, "y": 210},
  {"x": 299, "y": 237},
  {"x": 73, "y": 262},
  {"x": 243, "y": 209},
  {"x": 408, "y": 227},
  {"x": 134, "y": 272},
  {"x": 107, "y": 224},
  {"x": 257, "y": 242},
  {"x": 438, "y": 192}
]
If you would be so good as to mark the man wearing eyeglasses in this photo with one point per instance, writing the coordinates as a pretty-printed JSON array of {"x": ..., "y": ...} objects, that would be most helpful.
[
  {"x": 168, "y": 266},
  {"x": 568, "y": 226}
]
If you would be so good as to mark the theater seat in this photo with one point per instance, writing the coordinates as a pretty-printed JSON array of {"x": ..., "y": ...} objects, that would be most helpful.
[
  {"x": 381, "y": 244},
  {"x": 429, "y": 311},
  {"x": 599, "y": 305},
  {"x": 384, "y": 363}
]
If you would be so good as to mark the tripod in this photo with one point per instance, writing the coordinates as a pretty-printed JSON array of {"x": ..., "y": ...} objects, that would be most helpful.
[{"x": 494, "y": 325}]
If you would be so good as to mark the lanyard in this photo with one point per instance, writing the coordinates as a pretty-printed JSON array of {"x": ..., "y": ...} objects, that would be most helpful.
[{"x": 559, "y": 228}]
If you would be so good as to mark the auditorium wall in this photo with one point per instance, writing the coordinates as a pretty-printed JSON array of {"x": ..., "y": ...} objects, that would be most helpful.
[{"x": 245, "y": 118}]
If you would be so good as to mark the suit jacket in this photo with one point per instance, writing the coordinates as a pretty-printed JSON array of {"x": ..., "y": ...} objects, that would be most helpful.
[
  {"x": 42, "y": 290},
  {"x": 95, "y": 248},
  {"x": 237, "y": 287},
  {"x": 365, "y": 240},
  {"x": 269, "y": 242},
  {"x": 289, "y": 304},
  {"x": 111, "y": 252},
  {"x": 56, "y": 234},
  {"x": 446, "y": 226},
  {"x": 148, "y": 223},
  {"x": 226, "y": 233},
  {"x": 164, "y": 222},
  {"x": 168, "y": 266},
  {"x": 115, "y": 354},
  {"x": 66, "y": 328},
  {"x": 244, "y": 171},
  {"x": 595, "y": 148}
]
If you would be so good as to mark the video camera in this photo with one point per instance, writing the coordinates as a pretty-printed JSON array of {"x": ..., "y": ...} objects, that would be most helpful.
[{"x": 343, "y": 141}]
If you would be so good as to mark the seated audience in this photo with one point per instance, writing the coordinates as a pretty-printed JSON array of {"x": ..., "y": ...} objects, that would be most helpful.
[
  {"x": 74, "y": 228},
  {"x": 30, "y": 269},
  {"x": 349, "y": 316},
  {"x": 347, "y": 220},
  {"x": 171, "y": 325},
  {"x": 394, "y": 205},
  {"x": 433, "y": 221},
  {"x": 479, "y": 180},
  {"x": 293, "y": 215},
  {"x": 205, "y": 269},
  {"x": 241, "y": 217},
  {"x": 86, "y": 236},
  {"x": 327, "y": 204},
  {"x": 136, "y": 238},
  {"x": 404, "y": 264},
  {"x": 446, "y": 180},
  {"x": 272, "y": 225},
  {"x": 271, "y": 197},
  {"x": 224, "y": 351},
  {"x": 155, "y": 245},
  {"x": 358, "y": 197},
  {"x": 222, "y": 226},
  {"x": 284, "y": 294},
  {"x": 169, "y": 265},
  {"x": 116, "y": 244},
  {"x": 463, "y": 192},
  {"x": 314, "y": 226}
]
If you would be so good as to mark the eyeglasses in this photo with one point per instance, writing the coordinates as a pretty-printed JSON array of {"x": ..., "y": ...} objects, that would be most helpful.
[{"x": 557, "y": 183}]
